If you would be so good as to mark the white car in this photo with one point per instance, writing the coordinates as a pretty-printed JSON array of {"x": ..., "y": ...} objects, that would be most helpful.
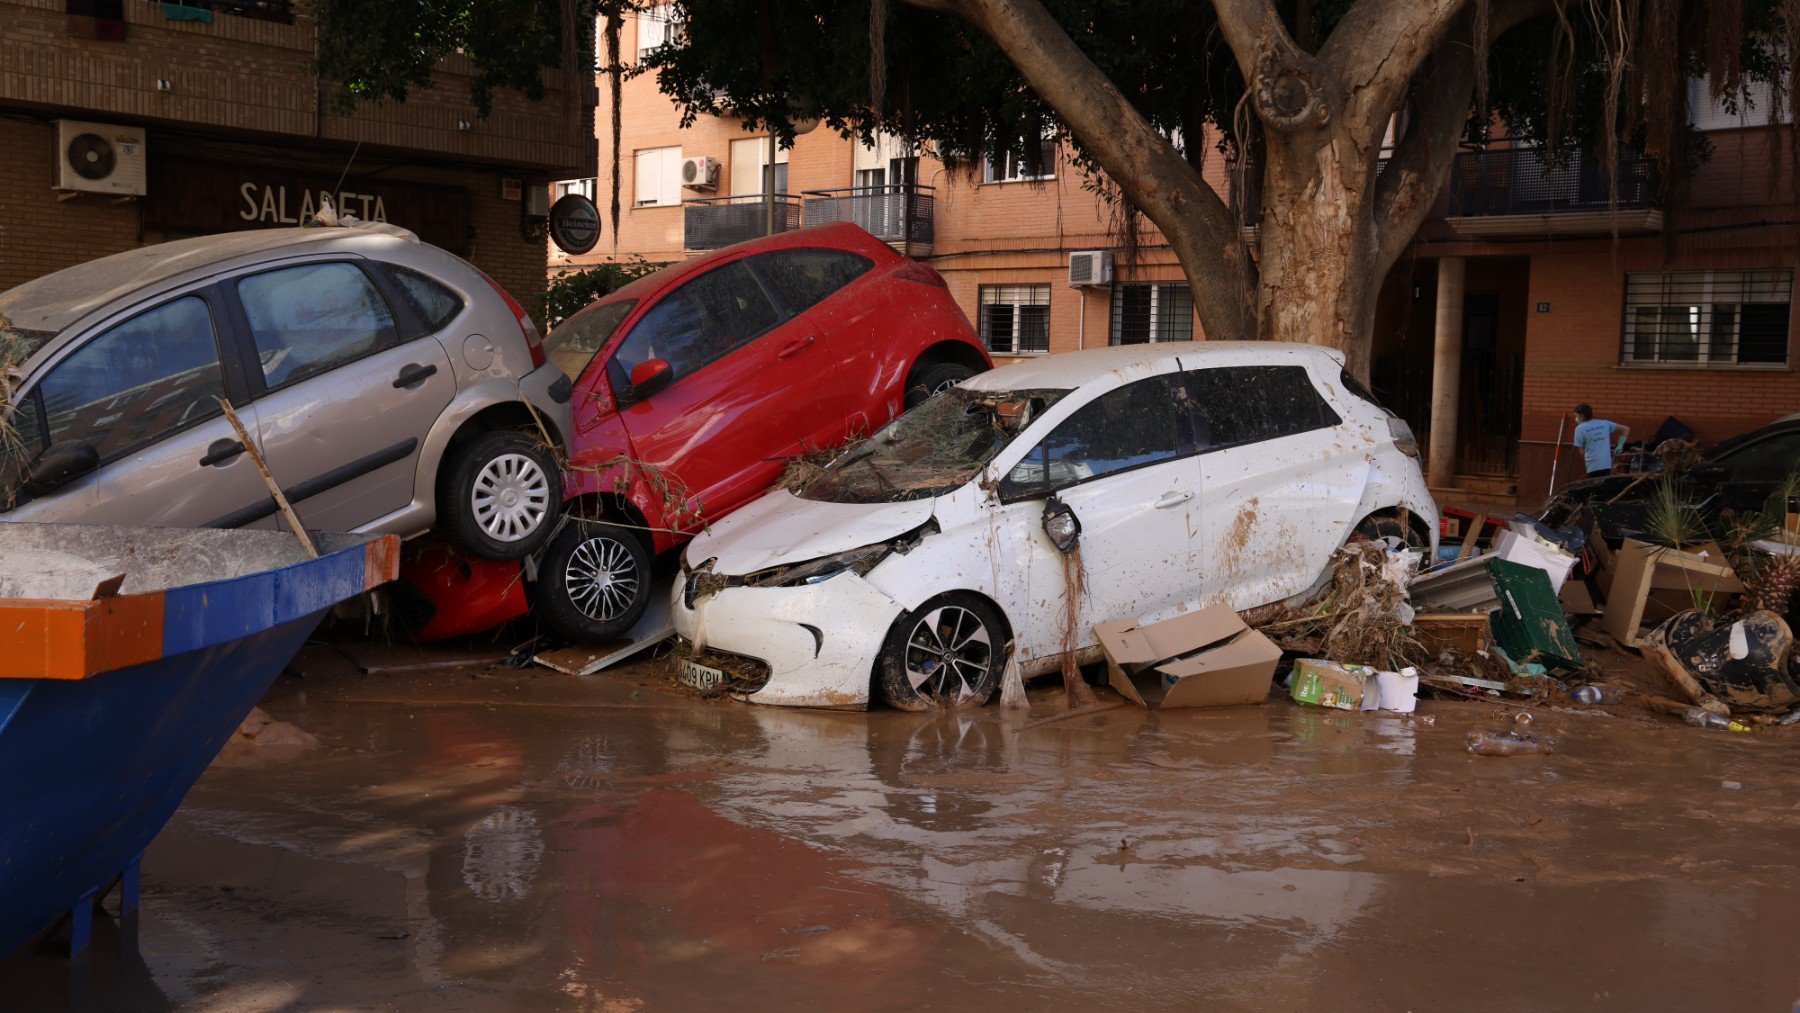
[{"x": 1198, "y": 473}]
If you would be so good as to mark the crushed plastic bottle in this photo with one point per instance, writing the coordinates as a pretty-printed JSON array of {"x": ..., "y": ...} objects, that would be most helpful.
[
  {"x": 1596, "y": 694},
  {"x": 1707, "y": 719},
  {"x": 1506, "y": 744}
]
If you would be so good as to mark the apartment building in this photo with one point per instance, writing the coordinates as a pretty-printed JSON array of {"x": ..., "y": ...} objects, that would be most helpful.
[
  {"x": 1540, "y": 286},
  {"x": 125, "y": 122}
]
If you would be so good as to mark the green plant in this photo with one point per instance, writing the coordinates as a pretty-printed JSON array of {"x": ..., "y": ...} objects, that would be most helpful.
[
  {"x": 1669, "y": 519},
  {"x": 571, "y": 291}
]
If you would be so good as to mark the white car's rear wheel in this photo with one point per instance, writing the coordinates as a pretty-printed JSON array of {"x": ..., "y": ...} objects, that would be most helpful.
[{"x": 948, "y": 653}]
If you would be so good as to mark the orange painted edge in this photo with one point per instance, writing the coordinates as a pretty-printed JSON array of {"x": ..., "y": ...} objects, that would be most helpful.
[
  {"x": 381, "y": 561},
  {"x": 76, "y": 639}
]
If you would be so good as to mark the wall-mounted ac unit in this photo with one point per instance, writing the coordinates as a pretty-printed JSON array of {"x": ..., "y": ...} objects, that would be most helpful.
[
  {"x": 700, "y": 173},
  {"x": 100, "y": 158},
  {"x": 1090, "y": 268}
]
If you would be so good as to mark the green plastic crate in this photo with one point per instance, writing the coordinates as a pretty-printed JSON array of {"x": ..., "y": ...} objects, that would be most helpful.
[{"x": 1530, "y": 624}]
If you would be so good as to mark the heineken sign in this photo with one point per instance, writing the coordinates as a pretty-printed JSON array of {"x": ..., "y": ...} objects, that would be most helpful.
[{"x": 574, "y": 224}]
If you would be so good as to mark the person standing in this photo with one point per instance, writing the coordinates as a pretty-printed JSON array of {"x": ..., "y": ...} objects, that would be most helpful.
[{"x": 1598, "y": 439}]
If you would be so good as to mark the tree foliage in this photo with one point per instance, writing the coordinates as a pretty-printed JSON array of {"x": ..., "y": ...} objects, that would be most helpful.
[
  {"x": 571, "y": 291},
  {"x": 383, "y": 50}
]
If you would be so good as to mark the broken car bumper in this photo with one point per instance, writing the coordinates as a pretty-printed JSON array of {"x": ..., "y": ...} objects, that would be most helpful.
[{"x": 820, "y": 641}]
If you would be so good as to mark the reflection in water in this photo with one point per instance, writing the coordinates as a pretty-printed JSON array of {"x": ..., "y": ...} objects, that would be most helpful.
[
  {"x": 697, "y": 854},
  {"x": 501, "y": 854},
  {"x": 590, "y": 764}
]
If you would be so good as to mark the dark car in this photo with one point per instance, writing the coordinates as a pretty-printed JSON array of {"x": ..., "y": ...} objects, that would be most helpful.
[{"x": 1737, "y": 475}]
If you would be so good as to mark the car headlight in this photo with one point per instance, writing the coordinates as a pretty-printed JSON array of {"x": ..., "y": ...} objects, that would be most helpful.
[{"x": 857, "y": 561}]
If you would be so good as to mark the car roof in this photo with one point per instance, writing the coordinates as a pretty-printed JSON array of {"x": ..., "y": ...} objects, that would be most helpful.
[
  {"x": 837, "y": 235},
  {"x": 1066, "y": 370},
  {"x": 61, "y": 299}
]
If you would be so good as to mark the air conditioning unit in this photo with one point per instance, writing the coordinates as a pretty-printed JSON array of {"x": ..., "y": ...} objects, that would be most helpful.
[
  {"x": 100, "y": 158},
  {"x": 700, "y": 173},
  {"x": 1090, "y": 268}
]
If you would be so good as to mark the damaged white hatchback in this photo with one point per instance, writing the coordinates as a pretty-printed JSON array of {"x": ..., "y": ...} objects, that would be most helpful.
[{"x": 1154, "y": 478}]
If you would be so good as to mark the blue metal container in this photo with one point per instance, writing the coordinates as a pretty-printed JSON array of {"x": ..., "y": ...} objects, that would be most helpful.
[{"x": 111, "y": 707}]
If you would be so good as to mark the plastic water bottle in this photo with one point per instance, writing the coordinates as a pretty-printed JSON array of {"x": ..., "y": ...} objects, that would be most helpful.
[
  {"x": 1707, "y": 719},
  {"x": 1505, "y": 744},
  {"x": 1595, "y": 694}
]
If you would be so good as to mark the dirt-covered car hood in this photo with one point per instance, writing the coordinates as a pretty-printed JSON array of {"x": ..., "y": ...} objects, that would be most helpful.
[{"x": 781, "y": 528}]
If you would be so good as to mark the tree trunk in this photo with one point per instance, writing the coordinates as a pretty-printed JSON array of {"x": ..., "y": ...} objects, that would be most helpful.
[{"x": 1319, "y": 248}]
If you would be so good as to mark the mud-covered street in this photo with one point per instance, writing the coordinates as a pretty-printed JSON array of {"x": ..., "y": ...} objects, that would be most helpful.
[{"x": 532, "y": 841}]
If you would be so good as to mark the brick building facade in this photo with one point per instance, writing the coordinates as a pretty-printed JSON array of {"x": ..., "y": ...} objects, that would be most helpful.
[
  {"x": 1551, "y": 281},
  {"x": 240, "y": 132}
]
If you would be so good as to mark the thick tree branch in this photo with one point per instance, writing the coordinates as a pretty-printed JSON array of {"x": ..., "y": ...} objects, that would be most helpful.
[
  {"x": 1378, "y": 47},
  {"x": 1147, "y": 168},
  {"x": 1406, "y": 190},
  {"x": 1283, "y": 79}
]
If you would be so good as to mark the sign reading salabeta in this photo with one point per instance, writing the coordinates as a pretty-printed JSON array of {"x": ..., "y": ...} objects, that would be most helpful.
[
  {"x": 196, "y": 197},
  {"x": 574, "y": 224}
]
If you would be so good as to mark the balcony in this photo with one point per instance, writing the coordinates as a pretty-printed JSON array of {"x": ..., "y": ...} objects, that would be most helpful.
[
  {"x": 901, "y": 216},
  {"x": 1515, "y": 191},
  {"x": 713, "y": 222}
]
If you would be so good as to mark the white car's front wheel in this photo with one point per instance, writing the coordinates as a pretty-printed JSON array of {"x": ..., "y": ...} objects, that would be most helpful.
[{"x": 948, "y": 653}]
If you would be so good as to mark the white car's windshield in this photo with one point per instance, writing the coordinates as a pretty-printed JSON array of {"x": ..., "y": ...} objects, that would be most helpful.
[{"x": 931, "y": 449}]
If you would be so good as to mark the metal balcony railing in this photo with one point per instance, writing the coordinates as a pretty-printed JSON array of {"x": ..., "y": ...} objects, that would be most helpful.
[
  {"x": 902, "y": 214},
  {"x": 1519, "y": 180},
  {"x": 713, "y": 222}
]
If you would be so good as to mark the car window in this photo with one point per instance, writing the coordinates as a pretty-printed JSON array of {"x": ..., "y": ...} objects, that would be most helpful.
[
  {"x": 21, "y": 438},
  {"x": 313, "y": 318},
  {"x": 803, "y": 278},
  {"x": 433, "y": 303},
  {"x": 703, "y": 320},
  {"x": 572, "y": 343},
  {"x": 1767, "y": 460},
  {"x": 136, "y": 382},
  {"x": 1141, "y": 423},
  {"x": 1249, "y": 404}
]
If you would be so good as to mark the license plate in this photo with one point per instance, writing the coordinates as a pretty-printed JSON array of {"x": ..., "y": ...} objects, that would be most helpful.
[{"x": 700, "y": 676}]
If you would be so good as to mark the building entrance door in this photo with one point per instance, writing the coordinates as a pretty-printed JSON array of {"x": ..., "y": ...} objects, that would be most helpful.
[{"x": 1493, "y": 377}]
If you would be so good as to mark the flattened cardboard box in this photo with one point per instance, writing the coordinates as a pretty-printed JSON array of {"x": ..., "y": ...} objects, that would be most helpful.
[{"x": 1207, "y": 658}]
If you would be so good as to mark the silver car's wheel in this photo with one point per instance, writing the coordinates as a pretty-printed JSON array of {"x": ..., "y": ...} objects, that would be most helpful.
[
  {"x": 511, "y": 497},
  {"x": 948, "y": 653},
  {"x": 601, "y": 578}
]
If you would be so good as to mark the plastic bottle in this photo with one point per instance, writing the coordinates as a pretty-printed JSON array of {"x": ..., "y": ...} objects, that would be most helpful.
[
  {"x": 1505, "y": 744},
  {"x": 1707, "y": 719},
  {"x": 1595, "y": 694}
]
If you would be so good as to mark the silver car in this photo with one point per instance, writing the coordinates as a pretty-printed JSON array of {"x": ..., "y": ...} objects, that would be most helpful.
[{"x": 391, "y": 387}]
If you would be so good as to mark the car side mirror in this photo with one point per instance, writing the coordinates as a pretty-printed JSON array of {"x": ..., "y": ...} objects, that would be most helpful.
[
  {"x": 647, "y": 378},
  {"x": 58, "y": 466}
]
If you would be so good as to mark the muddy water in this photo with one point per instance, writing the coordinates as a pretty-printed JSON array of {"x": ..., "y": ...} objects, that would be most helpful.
[{"x": 524, "y": 842}]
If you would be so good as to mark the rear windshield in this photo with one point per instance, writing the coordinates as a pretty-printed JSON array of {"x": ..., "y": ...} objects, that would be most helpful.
[
  {"x": 18, "y": 344},
  {"x": 932, "y": 449},
  {"x": 571, "y": 346}
]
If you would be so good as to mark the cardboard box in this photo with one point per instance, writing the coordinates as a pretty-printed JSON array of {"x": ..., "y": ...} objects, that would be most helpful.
[
  {"x": 1207, "y": 658},
  {"x": 1467, "y": 632},
  {"x": 1652, "y": 582},
  {"x": 1321, "y": 683}
]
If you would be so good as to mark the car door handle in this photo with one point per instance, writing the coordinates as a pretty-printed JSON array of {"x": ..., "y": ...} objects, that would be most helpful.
[
  {"x": 794, "y": 348},
  {"x": 1170, "y": 499},
  {"x": 220, "y": 451},
  {"x": 413, "y": 375}
]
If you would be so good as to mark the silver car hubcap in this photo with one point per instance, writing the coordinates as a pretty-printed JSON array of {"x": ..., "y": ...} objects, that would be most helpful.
[
  {"x": 946, "y": 385},
  {"x": 511, "y": 497},
  {"x": 601, "y": 578},
  {"x": 948, "y": 654}
]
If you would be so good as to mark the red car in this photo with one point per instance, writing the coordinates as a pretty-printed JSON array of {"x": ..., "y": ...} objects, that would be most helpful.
[{"x": 694, "y": 384}]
